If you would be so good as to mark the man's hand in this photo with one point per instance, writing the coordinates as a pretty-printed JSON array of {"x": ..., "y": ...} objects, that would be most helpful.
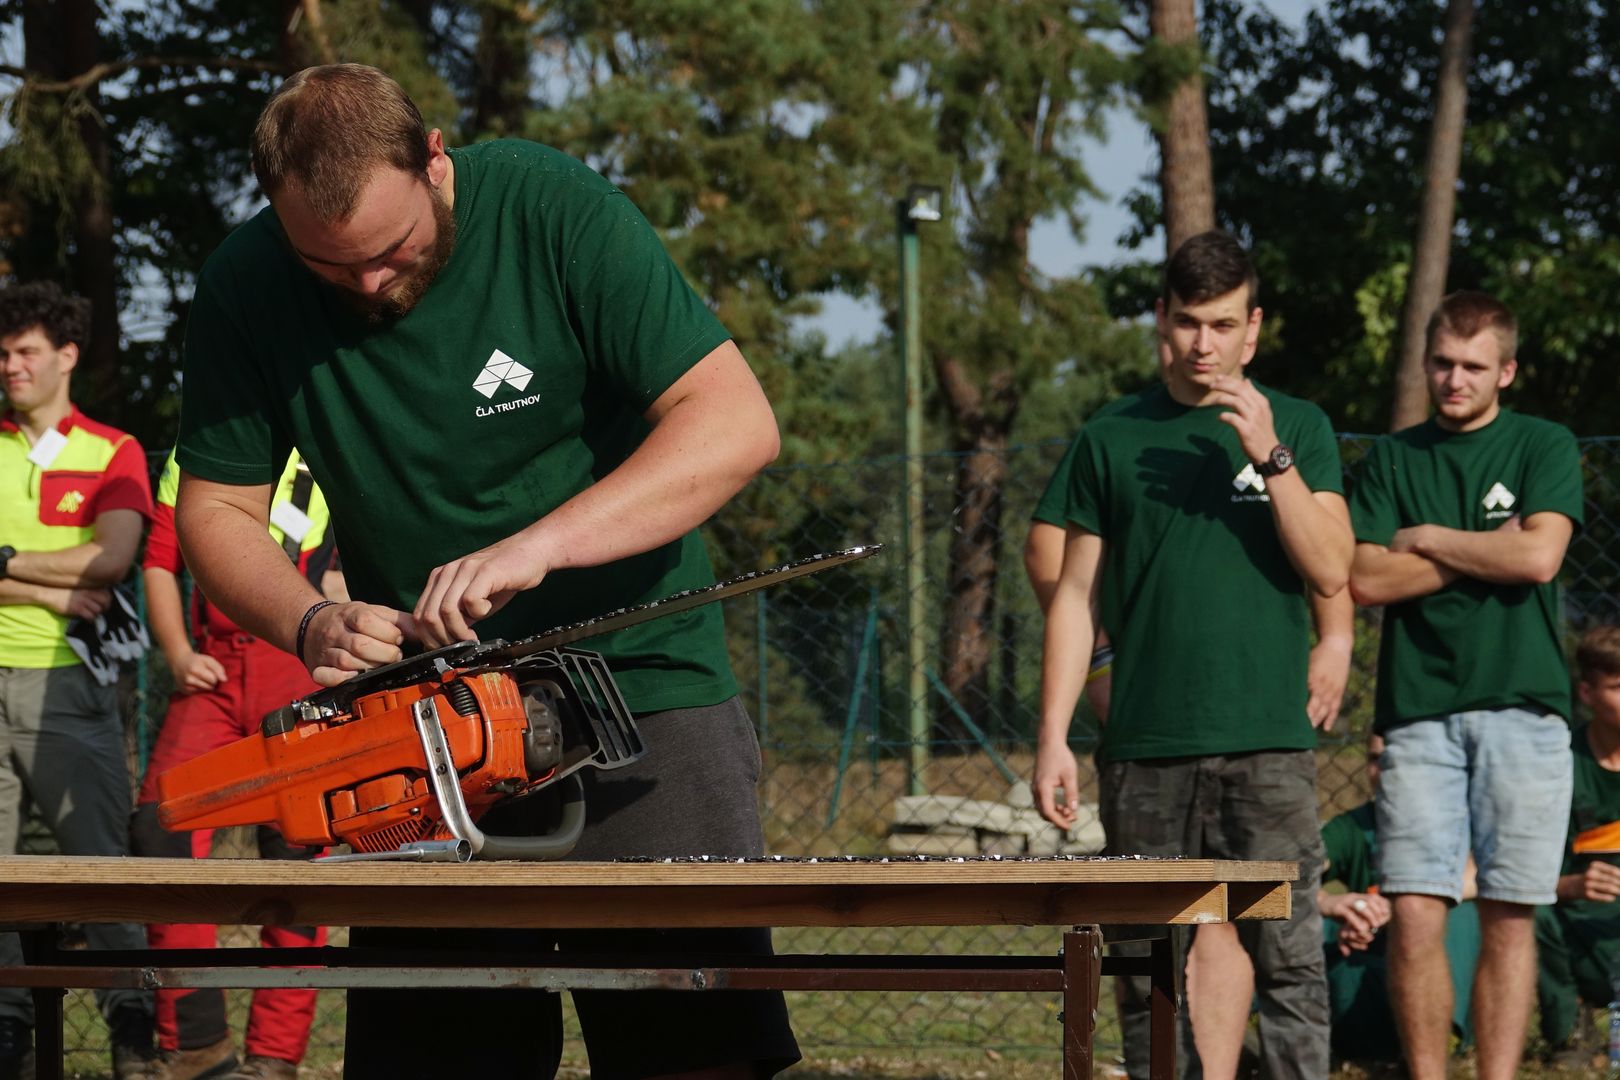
[
  {"x": 1249, "y": 415},
  {"x": 1326, "y": 678},
  {"x": 76, "y": 603},
  {"x": 1600, "y": 881},
  {"x": 1361, "y": 916},
  {"x": 1055, "y": 768},
  {"x": 345, "y": 639},
  {"x": 476, "y": 586},
  {"x": 194, "y": 671}
]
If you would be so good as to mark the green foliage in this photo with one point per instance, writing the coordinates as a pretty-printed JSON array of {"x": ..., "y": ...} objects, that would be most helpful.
[{"x": 1319, "y": 137}]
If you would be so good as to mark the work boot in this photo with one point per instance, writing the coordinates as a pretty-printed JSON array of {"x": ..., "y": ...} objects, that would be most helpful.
[
  {"x": 16, "y": 1049},
  {"x": 201, "y": 1063},
  {"x": 259, "y": 1067},
  {"x": 134, "y": 1053}
]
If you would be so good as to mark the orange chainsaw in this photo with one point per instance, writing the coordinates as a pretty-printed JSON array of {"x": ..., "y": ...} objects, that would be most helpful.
[{"x": 400, "y": 762}]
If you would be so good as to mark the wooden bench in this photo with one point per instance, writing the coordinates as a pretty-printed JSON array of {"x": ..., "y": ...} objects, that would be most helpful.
[{"x": 39, "y": 893}]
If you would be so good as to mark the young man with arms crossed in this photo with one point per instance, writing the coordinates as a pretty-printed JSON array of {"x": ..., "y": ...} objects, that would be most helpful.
[
  {"x": 520, "y": 413},
  {"x": 1200, "y": 513},
  {"x": 1461, "y": 525},
  {"x": 73, "y": 501}
]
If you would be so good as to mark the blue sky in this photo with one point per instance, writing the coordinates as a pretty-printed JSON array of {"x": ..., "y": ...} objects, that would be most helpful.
[{"x": 1117, "y": 164}]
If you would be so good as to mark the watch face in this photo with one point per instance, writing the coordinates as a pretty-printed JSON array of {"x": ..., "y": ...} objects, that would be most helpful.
[{"x": 1282, "y": 457}]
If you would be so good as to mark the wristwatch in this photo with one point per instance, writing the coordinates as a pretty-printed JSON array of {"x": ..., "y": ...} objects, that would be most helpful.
[
  {"x": 1278, "y": 462},
  {"x": 6, "y": 552}
]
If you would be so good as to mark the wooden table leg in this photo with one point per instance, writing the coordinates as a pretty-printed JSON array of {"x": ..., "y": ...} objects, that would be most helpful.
[
  {"x": 1162, "y": 1062},
  {"x": 1082, "y": 975}
]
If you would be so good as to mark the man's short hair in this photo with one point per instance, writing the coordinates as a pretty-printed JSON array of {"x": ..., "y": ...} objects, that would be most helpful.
[
  {"x": 63, "y": 318},
  {"x": 1208, "y": 265},
  {"x": 327, "y": 129},
  {"x": 1598, "y": 653},
  {"x": 1465, "y": 313}
]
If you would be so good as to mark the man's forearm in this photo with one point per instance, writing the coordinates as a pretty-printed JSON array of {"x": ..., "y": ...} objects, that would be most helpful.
[
  {"x": 1334, "y": 618},
  {"x": 243, "y": 571},
  {"x": 165, "y": 613},
  {"x": 84, "y": 566},
  {"x": 1380, "y": 576},
  {"x": 1502, "y": 556},
  {"x": 1317, "y": 541},
  {"x": 1065, "y": 660},
  {"x": 13, "y": 591}
]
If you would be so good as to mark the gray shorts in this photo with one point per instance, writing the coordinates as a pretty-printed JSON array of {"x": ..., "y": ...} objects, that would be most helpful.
[{"x": 693, "y": 793}]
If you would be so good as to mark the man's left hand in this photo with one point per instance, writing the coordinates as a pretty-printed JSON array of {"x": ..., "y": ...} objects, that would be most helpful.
[
  {"x": 1326, "y": 678},
  {"x": 474, "y": 587},
  {"x": 1249, "y": 415}
]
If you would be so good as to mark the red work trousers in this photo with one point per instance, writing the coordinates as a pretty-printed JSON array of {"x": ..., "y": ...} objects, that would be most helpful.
[{"x": 258, "y": 678}]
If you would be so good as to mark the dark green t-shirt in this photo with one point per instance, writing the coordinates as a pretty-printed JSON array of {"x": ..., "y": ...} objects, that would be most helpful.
[
  {"x": 1350, "y": 843},
  {"x": 1595, "y": 801},
  {"x": 1208, "y": 618},
  {"x": 517, "y": 381},
  {"x": 1472, "y": 644}
]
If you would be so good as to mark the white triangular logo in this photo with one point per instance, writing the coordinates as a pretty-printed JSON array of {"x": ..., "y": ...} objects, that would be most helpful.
[
  {"x": 498, "y": 369},
  {"x": 1249, "y": 478},
  {"x": 1499, "y": 498}
]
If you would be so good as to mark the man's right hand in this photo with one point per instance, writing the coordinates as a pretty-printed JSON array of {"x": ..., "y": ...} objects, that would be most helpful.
[
  {"x": 1600, "y": 881},
  {"x": 343, "y": 640},
  {"x": 1055, "y": 768},
  {"x": 77, "y": 603},
  {"x": 195, "y": 672}
]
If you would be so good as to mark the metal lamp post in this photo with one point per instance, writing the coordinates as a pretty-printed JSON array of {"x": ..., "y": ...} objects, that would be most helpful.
[{"x": 920, "y": 204}]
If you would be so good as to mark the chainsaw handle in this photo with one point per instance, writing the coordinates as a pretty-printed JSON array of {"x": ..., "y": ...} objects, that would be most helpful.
[{"x": 553, "y": 845}]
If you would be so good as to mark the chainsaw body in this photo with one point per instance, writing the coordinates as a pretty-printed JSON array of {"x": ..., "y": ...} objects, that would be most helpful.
[{"x": 410, "y": 756}]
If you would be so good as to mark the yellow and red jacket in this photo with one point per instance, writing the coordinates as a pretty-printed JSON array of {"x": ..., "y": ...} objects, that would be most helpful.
[{"x": 54, "y": 506}]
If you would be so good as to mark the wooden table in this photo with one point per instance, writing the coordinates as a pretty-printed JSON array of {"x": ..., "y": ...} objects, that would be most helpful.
[{"x": 38, "y": 893}]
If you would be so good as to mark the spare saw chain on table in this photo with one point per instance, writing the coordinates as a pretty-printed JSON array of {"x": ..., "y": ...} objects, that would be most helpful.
[{"x": 400, "y": 761}]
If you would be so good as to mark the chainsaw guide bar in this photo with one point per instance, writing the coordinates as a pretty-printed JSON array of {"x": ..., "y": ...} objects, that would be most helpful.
[{"x": 474, "y": 654}]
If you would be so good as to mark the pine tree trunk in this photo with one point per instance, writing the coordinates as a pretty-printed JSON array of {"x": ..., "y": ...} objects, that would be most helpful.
[
  {"x": 1436, "y": 216},
  {"x": 983, "y": 421},
  {"x": 1186, "y": 176}
]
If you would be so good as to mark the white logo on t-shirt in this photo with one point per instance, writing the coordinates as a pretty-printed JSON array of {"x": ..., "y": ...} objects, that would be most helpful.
[
  {"x": 500, "y": 368},
  {"x": 1251, "y": 486},
  {"x": 1499, "y": 501}
]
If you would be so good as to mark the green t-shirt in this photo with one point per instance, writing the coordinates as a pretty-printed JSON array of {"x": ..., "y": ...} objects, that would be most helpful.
[
  {"x": 1049, "y": 507},
  {"x": 1595, "y": 801},
  {"x": 517, "y": 381},
  {"x": 1472, "y": 644},
  {"x": 1350, "y": 844},
  {"x": 1208, "y": 618}
]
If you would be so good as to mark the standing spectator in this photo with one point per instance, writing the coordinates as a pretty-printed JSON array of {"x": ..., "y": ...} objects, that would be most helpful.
[
  {"x": 1223, "y": 976},
  {"x": 1193, "y": 538},
  {"x": 224, "y": 684},
  {"x": 1461, "y": 525},
  {"x": 73, "y": 501},
  {"x": 1578, "y": 939}
]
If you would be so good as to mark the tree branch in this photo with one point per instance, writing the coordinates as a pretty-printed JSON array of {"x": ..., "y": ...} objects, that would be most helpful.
[{"x": 101, "y": 72}]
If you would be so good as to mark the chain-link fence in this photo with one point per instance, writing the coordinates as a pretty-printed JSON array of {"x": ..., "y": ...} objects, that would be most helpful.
[{"x": 823, "y": 665}]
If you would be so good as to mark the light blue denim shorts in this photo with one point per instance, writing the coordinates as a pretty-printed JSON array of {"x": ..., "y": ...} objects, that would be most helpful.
[{"x": 1494, "y": 781}]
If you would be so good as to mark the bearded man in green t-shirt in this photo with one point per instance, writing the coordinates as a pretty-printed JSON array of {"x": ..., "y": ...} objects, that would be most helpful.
[
  {"x": 1461, "y": 526},
  {"x": 519, "y": 412},
  {"x": 1199, "y": 514}
]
